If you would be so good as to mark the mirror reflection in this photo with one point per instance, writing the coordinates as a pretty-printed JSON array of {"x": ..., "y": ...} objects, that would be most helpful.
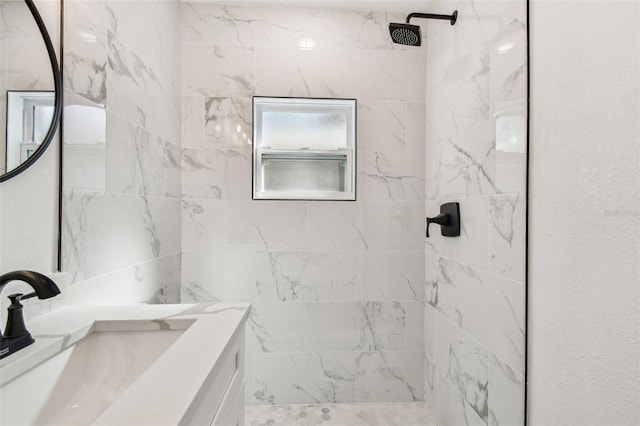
[{"x": 26, "y": 84}]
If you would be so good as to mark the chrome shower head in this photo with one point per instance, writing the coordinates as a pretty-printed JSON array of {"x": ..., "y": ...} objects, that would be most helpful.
[{"x": 406, "y": 34}]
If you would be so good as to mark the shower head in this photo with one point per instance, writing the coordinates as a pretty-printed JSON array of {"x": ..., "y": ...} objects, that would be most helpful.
[
  {"x": 406, "y": 34},
  {"x": 410, "y": 35}
]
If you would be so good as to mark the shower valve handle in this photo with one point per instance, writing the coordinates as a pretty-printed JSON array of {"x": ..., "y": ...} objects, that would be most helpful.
[
  {"x": 448, "y": 219},
  {"x": 442, "y": 219}
]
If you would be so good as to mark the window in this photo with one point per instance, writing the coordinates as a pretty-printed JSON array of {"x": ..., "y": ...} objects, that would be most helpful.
[{"x": 304, "y": 148}]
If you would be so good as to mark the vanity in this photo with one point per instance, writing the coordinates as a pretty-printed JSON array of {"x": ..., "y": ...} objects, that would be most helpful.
[{"x": 129, "y": 365}]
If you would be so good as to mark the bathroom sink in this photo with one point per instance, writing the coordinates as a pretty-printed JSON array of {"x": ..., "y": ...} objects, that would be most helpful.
[
  {"x": 143, "y": 365},
  {"x": 77, "y": 385}
]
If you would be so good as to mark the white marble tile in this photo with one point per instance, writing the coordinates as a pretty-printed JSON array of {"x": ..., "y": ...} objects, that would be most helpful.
[
  {"x": 215, "y": 228},
  {"x": 217, "y": 173},
  {"x": 193, "y": 122},
  {"x": 391, "y": 75},
  {"x": 173, "y": 169},
  {"x": 506, "y": 394},
  {"x": 461, "y": 413},
  {"x": 416, "y": 132},
  {"x": 241, "y": 272},
  {"x": 333, "y": 326},
  {"x": 85, "y": 53},
  {"x": 432, "y": 169},
  {"x": 286, "y": 276},
  {"x": 384, "y": 225},
  {"x": 509, "y": 172},
  {"x": 429, "y": 330},
  {"x": 382, "y": 126},
  {"x": 128, "y": 19},
  {"x": 131, "y": 84},
  {"x": 202, "y": 277},
  {"x": 390, "y": 176},
  {"x": 507, "y": 236},
  {"x": 30, "y": 68},
  {"x": 335, "y": 226},
  {"x": 85, "y": 136},
  {"x": 269, "y": 225},
  {"x": 355, "y": 326},
  {"x": 414, "y": 325},
  {"x": 415, "y": 212},
  {"x": 508, "y": 59},
  {"x": 395, "y": 275},
  {"x": 488, "y": 307},
  {"x": 416, "y": 67},
  {"x": 431, "y": 272},
  {"x": 221, "y": 70},
  {"x": 17, "y": 22},
  {"x": 135, "y": 159},
  {"x": 248, "y": 381},
  {"x": 193, "y": 225},
  {"x": 228, "y": 25},
  {"x": 139, "y": 92},
  {"x": 389, "y": 376},
  {"x": 281, "y": 378},
  {"x": 464, "y": 363},
  {"x": 306, "y": 73},
  {"x": 467, "y": 163},
  {"x": 191, "y": 21},
  {"x": 437, "y": 391},
  {"x": 140, "y": 229},
  {"x": 171, "y": 267},
  {"x": 276, "y": 327},
  {"x": 228, "y": 122},
  {"x": 84, "y": 251},
  {"x": 141, "y": 283}
]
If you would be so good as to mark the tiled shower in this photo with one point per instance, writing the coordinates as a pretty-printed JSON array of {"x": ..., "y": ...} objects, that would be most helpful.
[{"x": 350, "y": 302}]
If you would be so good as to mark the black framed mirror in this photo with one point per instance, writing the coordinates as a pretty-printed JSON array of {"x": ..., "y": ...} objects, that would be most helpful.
[{"x": 31, "y": 111}]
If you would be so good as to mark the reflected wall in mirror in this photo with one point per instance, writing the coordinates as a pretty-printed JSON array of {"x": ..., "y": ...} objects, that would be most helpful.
[
  {"x": 29, "y": 116},
  {"x": 29, "y": 77},
  {"x": 28, "y": 195}
]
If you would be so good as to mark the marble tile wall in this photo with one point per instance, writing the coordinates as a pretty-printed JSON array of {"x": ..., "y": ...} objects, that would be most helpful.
[
  {"x": 122, "y": 152},
  {"x": 336, "y": 287},
  {"x": 475, "y": 154}
]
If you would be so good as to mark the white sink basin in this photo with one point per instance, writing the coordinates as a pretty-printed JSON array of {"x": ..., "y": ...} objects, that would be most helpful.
[
  {"x": 142, "y": 365},
  {"x": 80, "y": 383}
]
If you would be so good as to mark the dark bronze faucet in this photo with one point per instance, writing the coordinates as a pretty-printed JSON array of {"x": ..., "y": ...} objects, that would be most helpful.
[{"x": 16, "y": 336}]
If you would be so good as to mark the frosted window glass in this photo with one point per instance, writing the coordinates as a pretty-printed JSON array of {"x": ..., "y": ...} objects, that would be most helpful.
[
  {"x": 304, "y": 174},
  {"x": 295, "y": 130}
]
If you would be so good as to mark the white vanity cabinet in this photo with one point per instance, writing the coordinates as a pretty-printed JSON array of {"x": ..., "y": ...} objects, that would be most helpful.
[{"x": 221, "y": 400}]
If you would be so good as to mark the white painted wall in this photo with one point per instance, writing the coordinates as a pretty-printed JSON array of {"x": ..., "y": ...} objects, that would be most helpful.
[{"x": 584, "y": 257}]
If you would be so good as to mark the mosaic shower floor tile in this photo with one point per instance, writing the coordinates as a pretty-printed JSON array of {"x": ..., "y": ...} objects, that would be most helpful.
[{"x": 378, "y": 414}]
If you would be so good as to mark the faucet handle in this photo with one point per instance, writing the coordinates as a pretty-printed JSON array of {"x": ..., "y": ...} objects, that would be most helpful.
[{"x": 16, "y": 326}]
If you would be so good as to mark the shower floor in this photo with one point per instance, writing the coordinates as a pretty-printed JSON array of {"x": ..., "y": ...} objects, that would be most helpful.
[{"x": 381, "y": 414}]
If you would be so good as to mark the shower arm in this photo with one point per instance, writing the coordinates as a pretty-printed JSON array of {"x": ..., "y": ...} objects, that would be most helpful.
[{"x": 452, "y": 18}]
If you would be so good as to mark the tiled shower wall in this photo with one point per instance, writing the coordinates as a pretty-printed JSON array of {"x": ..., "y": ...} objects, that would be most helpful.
[
  {"x": 337, "y": 288},
  {"x": 122, "y": 178},
  {"x": 475, "y": 153}
]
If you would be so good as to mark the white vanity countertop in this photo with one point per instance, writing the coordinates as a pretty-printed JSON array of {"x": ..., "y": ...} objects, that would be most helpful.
[{"x": 183, "y": 367}]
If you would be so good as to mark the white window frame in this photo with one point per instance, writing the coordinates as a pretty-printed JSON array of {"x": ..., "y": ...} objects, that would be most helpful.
[{"x": 263, "y": 104}]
